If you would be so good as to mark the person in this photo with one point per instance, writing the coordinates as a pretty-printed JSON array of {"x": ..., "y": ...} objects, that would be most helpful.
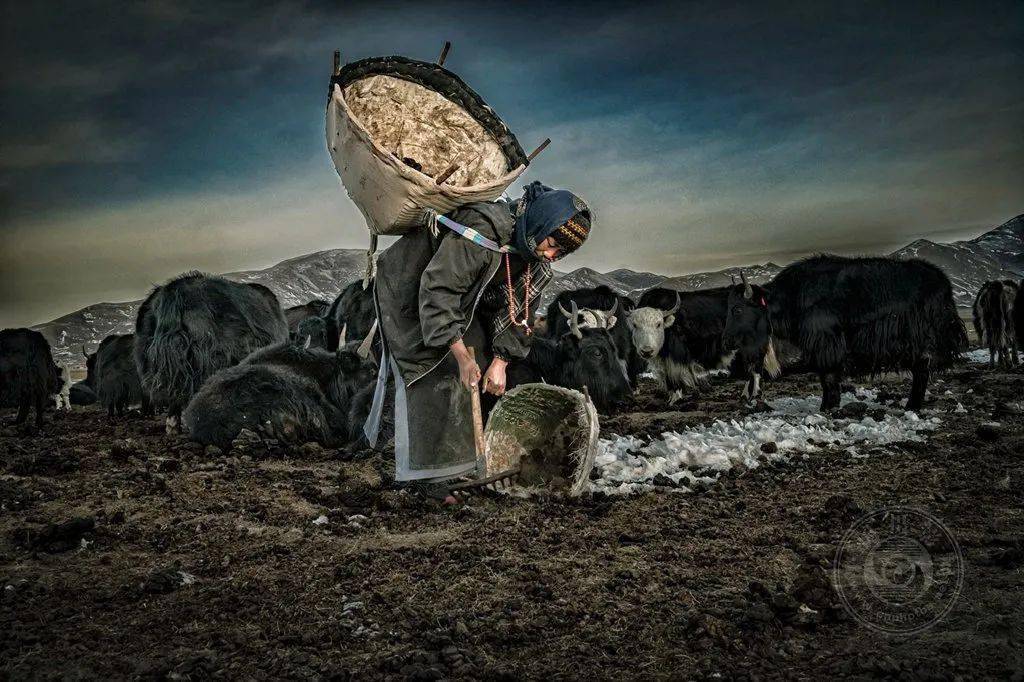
[{"x": 442, "y": 291}]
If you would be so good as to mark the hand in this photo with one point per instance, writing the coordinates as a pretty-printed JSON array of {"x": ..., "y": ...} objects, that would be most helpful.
[
  {"x": 469, "y": 371},
  {"x": 494, "y": 380}
]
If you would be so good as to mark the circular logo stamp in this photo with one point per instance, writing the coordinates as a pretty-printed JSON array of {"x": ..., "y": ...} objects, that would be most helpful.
[{"x": 898, "y": 570}]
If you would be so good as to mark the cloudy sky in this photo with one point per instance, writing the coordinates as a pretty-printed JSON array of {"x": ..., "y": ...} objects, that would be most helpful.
[{"x": 138, "y": 140}]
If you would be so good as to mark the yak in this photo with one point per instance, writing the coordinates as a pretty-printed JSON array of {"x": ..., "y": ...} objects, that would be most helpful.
[
  {"x": 312, "y": 332},
  {"x": 580, "y": 358},
  {"x": 193, "y": 326},
  {"x": 298, "y": 393},
  {"x": 1018, "y": 315},
  {"x": 680, "y": 334},
  {"x": 84, "y": 392},
  {"x": 28, "y": 375},
  {"x": 597, "y": 307},
  {"x": 297, "y": 313},
  {"x": 855, "y": 316},
  {"x": 992, "y": 315},
  {"x": 116, "y": 380},
  {"x": 351, "y": 315}
]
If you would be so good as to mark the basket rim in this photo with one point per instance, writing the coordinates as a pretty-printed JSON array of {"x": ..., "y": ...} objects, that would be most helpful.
[
  {"x": 419, "y": 177},
  {"x": 420, "y": 73}
]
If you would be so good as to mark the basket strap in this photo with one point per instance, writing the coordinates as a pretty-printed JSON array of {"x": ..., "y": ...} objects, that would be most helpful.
[
  {"x": 469, "y": 233},
  {"x": 371, "y": 262}
]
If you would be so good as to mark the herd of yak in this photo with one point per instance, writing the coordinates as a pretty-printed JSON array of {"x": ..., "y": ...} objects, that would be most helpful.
[{"x": 221, "y": 356}]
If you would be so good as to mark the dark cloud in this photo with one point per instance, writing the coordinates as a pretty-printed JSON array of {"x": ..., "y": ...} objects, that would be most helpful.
[{"x": 143, "y": 139}]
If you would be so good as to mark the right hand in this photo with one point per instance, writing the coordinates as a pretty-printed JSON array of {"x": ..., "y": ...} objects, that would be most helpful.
[{"x": 469, "y": 371}]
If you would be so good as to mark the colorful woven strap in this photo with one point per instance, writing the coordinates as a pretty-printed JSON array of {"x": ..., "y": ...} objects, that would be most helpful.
[{"x": 472, "y": 235}]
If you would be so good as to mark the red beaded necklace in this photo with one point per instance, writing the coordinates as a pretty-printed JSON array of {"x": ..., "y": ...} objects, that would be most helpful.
[{"x": 513, "y": 307}]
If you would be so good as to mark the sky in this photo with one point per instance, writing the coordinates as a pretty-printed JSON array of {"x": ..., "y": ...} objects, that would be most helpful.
[{"x": 140, "y": 140}]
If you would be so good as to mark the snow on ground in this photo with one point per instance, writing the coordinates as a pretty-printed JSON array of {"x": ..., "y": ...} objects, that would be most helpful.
[
  {"x": 629, "y": 464},
  {"x": 979, "y": 355}
]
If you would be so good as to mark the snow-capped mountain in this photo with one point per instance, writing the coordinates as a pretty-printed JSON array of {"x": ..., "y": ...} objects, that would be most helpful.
[{"x": 997, "y": 254}]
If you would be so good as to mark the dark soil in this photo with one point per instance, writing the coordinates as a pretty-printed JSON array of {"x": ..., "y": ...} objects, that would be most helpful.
[{"x": 126, "y": 553}]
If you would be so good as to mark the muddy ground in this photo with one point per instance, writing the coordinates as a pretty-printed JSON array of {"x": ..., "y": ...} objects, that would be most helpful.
[{"x": 183, "y": 564}]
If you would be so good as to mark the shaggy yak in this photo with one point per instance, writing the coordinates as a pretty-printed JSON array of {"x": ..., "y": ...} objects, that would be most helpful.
[
  {"x": 992, "y": 314},
  {"x": 28, "y": 375},
  {"x": 195, "y": 325},
  {"x": 293, "y": 393},
  {"x": 855, "y": 316},
  {"x": 116, "y": 381}
]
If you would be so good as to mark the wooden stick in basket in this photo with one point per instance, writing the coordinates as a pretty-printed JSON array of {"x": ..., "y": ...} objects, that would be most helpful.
[
  {"x": 446, "y": 173},
  {"x": 478, "y": 423},
  {"x": 444, "y": 53},
  {"x": 538, "y": 150}
]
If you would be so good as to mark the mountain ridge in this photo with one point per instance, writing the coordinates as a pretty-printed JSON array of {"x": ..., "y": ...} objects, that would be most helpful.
[{"x": 997, "y": 253}]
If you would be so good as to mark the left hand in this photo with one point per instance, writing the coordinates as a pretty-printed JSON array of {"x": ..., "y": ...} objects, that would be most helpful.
[{"x": 494, "y": 378}]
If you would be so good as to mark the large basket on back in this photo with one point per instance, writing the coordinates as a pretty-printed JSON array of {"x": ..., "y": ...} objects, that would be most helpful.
[{"x": 397, "y": 126}]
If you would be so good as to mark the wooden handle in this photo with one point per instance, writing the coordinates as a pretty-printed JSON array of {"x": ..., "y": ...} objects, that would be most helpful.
[
  {"x": 444, "y": 53},
  {"x": 478, "y": 423},
  {"x": 446, "y": 173},
  {"x": 543, "y": 145}
]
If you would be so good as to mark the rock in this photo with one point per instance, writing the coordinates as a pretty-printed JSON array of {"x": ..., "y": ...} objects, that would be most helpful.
[
  {"x": 57, "y": 537},
  {"x": 312, "y": 449},
  {"x": 166, "y": 464},
  {"x": 990, "y": 431},
  {"x": 769, "y": 448},
  {"x": 123, "y": 449},
  {"x": 854, "y": 410},
  {"x": 213, "y": 451}
]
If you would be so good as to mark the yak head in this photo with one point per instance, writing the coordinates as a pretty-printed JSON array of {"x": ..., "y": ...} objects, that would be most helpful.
[
  {"x": 591, "y": 361},
  {"x": 747, "y": 322},
  {"x": 648, "y": 325},
  {"x": 591, "y": 318}
]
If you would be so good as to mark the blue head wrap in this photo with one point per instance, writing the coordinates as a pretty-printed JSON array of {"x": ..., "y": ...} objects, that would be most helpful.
[{"x": 540, "y": 212}]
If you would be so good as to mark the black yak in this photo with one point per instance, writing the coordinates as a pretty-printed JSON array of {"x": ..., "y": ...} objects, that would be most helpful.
[
  {"x": 297, "y": 313},
  {"x": 992, "y": 314},
  {"x": 84, "y": 392},
  {"x": 1018, "y": 315},
  {"x": 304, "y": 394},
  {"x": 312, "y": 333},
  {"x": 195, "y": 325},
  {"x": 116, "y": 380},
  {"x": 28, "y": 375},
  {"x": 579, "y": 358},
  {"x": 351, "y": 315},
  {"x": 597, "y": 307},
  {"x": 856, "y": 316}
]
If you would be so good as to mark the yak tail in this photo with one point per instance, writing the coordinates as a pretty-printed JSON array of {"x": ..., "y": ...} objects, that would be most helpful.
[{"x": 771, "y": 362}]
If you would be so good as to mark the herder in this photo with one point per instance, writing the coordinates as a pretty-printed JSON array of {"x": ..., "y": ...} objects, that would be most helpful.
[{"x": 439, "y": 292}]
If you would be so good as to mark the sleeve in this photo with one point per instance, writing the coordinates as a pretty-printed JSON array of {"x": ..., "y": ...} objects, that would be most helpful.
[
  {"x": 511, "y": 344},
  {"x": 456, "y": 266}
]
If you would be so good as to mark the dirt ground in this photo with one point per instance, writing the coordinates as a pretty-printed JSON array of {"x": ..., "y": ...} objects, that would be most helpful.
[{"x": 126, "y": 553}]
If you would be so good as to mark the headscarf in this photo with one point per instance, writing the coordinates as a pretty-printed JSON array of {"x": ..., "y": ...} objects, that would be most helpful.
[{"x": 543, "y": 210}]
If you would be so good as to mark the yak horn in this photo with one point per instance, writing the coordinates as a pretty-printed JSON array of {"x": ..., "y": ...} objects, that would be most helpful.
[
  {"x": 611, "y": 311},
  {"x": 748, "y": 291},
  {"x": 563, "y": 310},
  {"x": 574, "y": 323},
  {"x": 84, "y": 352},
  {"x": 675, "y": 308}
]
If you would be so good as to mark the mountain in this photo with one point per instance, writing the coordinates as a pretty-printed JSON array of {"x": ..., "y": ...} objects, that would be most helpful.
[
  {"x": 996, "y": 254},
  {"x": 296, "y": 280}
]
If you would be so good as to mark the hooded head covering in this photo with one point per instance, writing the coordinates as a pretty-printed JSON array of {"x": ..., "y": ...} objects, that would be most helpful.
[{"x": 544, "y": 211}]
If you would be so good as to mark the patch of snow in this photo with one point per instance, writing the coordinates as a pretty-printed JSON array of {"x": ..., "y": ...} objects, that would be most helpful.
[
  {"x": 978, "y": 356},
  {"x": 320, "y": 520},
  {"x": 628, "y": 464}
]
